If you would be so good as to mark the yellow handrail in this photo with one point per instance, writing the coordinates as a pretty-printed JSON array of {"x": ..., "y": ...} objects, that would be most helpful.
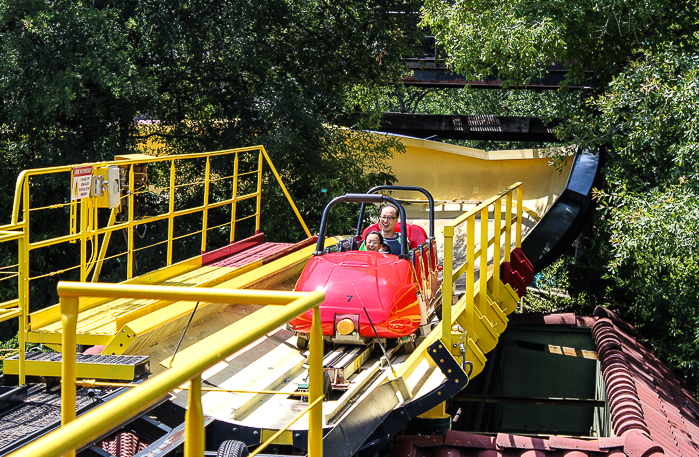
[
  {"x": 85, "y": 229},
  {"x": 451, "y": 274},
  {"x": 75, "y": 433}
]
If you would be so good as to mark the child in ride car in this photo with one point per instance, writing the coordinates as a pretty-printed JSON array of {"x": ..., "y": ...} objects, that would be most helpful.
[{"x": 372, "y": 242}]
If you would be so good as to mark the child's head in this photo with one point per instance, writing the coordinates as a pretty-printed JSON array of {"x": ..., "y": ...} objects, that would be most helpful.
[
  {"x": 384, "y": 249},
  {"x": 373, "y": 241}
]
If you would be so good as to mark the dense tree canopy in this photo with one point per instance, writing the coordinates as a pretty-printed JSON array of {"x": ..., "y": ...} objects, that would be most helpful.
[{"x": 517, "y": 39}]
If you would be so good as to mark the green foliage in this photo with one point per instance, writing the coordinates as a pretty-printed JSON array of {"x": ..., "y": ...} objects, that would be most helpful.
[
  {"x": 516, "y": 40},
  {"x": 647, "y": 225},
  {"x": 549, "y": 291},
  {"x": 8, "y": 349}
]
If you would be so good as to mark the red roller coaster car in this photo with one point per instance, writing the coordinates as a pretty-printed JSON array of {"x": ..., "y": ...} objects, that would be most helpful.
[{"x": 369, "y": 294}]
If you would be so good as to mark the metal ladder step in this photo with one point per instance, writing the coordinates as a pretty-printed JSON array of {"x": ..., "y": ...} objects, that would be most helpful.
[{"x": 89, "y": 366}]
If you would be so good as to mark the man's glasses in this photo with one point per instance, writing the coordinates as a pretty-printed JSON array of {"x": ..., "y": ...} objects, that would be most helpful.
[{"x": 387, "y": 218}]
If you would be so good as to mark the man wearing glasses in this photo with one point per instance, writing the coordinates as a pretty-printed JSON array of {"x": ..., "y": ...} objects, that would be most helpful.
[{"x": 387, "y": 224}]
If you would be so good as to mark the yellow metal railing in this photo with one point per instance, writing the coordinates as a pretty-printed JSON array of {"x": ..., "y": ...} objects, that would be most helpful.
[
  {"x": 451, "y": 274},
  {"x": 75, "y": 433},
  {"x": 84, "y": 221}
]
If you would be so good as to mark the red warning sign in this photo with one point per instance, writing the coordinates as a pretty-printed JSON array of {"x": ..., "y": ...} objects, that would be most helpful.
[{"x": 82, "y": 176}]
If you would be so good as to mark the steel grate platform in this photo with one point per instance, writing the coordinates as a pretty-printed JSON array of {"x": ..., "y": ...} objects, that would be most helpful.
[
  {"x": 40, "y": 413},
  {"x": 85, "y": 358},
  {"x": 92, "y": 366}
]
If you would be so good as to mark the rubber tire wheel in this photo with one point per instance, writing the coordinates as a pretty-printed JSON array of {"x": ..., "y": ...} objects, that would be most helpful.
[
  {"x": 327, "y": 388},
  {"x": 232, "y": 448},
  {"x": 302, "y": 343}
]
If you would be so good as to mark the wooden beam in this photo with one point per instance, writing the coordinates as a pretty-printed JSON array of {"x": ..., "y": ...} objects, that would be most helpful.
[{"x": 479, "y": 127}]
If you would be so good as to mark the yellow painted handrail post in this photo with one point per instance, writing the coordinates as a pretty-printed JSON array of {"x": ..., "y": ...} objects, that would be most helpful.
[
  {"x": 315, "y": 387},
  {"x": 129, "y": 248},
  {"x": 286, "y": 192},
  {"x": 69, "y": 323},
  {"x": 234, "y": 203},
  {"x": 83, "y": 239},
  {"x": 497, "y": 216},
  {"x": 508, "y": 225},
  {"x": 518, "y": 234},
  {"x": 470, "y": 273},
  {"x": 23, "y": 281},
  {"x": 258, "y": 212},
  {"x": 447, "y": 285},
  {"x": 205, "y": 216},
  {"x": 194, "y": 421},
  {"x": 483, "y": 276},
  {"x": 170, "y": 211}
]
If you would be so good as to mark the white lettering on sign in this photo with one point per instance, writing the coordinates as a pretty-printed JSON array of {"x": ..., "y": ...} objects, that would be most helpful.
[{"x": 81, "y": 182}]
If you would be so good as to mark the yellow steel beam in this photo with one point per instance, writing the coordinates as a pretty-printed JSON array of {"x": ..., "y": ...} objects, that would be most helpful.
[
  {"x": 10, "y": 304},
  {"x": 55, "y": 338},
  {"x": 9, "y": 235},
  {"x": 7, "y": 314}
]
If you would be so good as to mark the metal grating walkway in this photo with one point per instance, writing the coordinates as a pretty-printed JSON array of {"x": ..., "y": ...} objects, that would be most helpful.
[{"x": 40, "y": 413}]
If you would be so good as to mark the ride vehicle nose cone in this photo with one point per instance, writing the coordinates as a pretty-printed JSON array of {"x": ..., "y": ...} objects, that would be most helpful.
[{"x": 345, "y": 327}]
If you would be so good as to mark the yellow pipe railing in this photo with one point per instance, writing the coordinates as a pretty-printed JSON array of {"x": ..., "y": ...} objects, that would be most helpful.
[
  {"x": 76, "y": 433},
  {"x": 451, "y": 274},
  {"x": 84, "y": 227}
]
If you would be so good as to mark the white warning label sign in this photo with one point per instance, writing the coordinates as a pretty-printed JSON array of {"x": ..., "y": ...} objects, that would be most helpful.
[{"x": 82, "y": 177}]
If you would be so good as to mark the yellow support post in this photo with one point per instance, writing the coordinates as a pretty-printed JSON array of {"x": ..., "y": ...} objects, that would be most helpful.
[
  {"x": 194, "y": 421},
  {"x": 69, "y": 323},
  {"x": 170, "y": 214},
  {"x": 234, "y": 204},
  {"x": 129, "y": 242},
  {"x": 258, "y": 211},
  {"x": 508, "y": 225},
  {"x": 470, "y": 273},
  {"x": 83, "y": 239},
  {"x": 497, "y": 216},
  {"x": 518, "y": 234},
  {"x": 315, "y": 387},
  {"x": 483, "y": 277},
  {"x": 205, "y": 215},
  {"x": 447, "y": 283},
  {"x": 23, "y": 282}
]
